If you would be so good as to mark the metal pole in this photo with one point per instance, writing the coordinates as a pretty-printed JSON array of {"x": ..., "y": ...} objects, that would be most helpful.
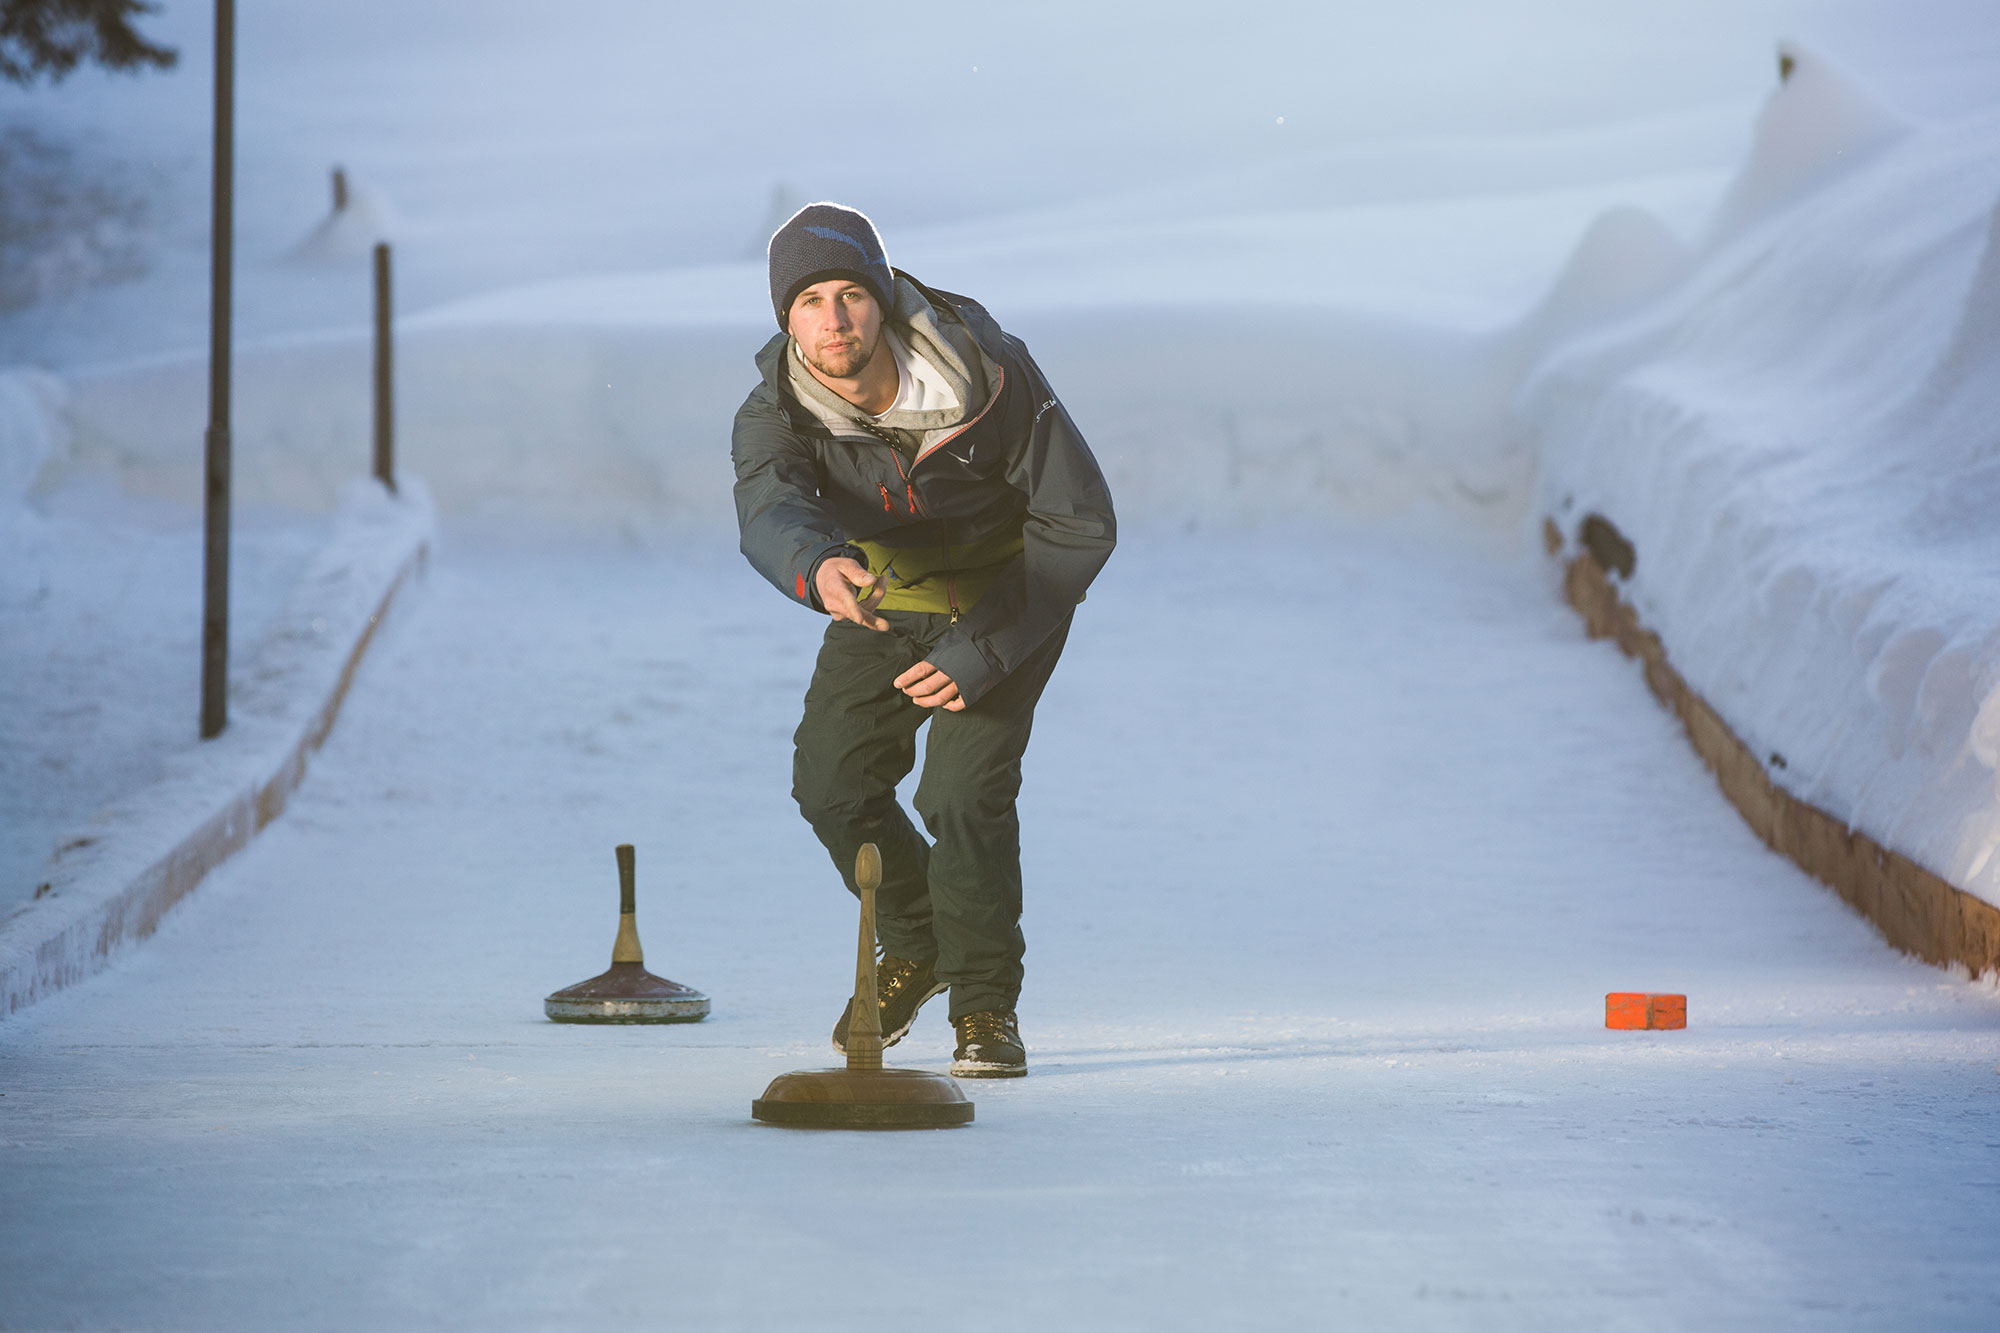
[
  {"x": 215, "y": 550},
  {"x": 385, "y": 374}
]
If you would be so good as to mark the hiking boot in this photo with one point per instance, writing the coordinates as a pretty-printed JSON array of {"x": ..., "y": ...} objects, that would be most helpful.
[
  {"x": 989, "y": 1046},
  {"x": 901, "y": 987}
]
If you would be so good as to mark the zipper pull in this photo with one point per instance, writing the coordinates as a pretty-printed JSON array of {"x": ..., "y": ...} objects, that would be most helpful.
[
  {"x": 887, "y": 507},
  {"x": 910, "y": 495}
]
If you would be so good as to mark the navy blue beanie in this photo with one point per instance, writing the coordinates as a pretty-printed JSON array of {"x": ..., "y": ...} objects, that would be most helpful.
[{"x": 824, "y": 241}]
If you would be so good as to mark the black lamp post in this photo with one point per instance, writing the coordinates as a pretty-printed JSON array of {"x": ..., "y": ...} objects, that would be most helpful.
[{"x": 215, "y": 549}]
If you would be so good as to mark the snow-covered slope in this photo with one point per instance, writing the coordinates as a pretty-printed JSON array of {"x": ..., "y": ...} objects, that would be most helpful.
[{"x": 1802, "y": 441}]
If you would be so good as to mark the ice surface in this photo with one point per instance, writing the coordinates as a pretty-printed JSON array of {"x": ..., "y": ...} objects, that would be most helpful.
[{"x": 1285, "y": 1072}]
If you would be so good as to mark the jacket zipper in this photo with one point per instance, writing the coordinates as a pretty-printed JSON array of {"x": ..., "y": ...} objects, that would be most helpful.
[
  {"x": 950, "y": 581},
  {"x": 910, "y": 491},
  {"x": 944, "y": 531}
]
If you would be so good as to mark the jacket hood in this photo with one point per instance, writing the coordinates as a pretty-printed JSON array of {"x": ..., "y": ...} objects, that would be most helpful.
[{"x": 930, "y": 328}]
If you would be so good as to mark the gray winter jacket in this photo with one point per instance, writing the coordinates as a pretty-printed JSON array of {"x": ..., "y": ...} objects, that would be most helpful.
[{"x": 1002, "y": 519}]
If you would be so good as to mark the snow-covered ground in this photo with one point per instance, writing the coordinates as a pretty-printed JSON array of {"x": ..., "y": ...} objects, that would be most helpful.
[
  {"x": 1345, "y": 300},
  {"x": 100, "y": 661},
  {"x": 1315, "y": 1000}
]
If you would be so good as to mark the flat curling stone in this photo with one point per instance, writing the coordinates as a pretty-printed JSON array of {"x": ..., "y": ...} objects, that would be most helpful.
[
  {"x": 864, "y": 1095},
  {"x": 628, "y": 993}
]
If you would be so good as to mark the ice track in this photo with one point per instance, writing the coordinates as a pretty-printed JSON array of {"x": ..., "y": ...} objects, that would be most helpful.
[{"x": 1334, "y": 841}]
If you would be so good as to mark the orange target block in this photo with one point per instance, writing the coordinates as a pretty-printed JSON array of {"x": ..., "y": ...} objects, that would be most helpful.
[{"x": 1637, "y": 1009}]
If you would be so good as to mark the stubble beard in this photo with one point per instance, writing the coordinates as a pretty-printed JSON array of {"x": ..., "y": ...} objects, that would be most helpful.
[{"x": 845, "y": 364}]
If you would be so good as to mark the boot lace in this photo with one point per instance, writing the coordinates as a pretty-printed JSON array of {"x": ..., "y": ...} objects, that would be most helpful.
[
  {"x": 893, "y": 976},
  {"x": 987, "y": 1028}
]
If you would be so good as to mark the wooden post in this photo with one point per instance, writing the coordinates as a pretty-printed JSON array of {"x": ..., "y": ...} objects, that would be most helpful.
[
  {"x": 385, "y": 372},
  {"x": 339, "y": 189},
  {"x": 215, "y": 545}
]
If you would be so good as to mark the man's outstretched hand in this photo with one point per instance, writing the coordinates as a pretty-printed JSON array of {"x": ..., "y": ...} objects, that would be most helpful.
[
  {"x": 928, "y": 686},
  {"x": 836, "y": 581}
]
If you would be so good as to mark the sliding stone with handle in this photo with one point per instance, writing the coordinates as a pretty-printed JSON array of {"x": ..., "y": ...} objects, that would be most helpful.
[
  {"x": 627, "y": 993},
  {"x": 864, "y": 1095}
]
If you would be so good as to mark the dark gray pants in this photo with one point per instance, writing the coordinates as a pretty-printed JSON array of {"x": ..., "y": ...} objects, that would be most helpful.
[{"x": 956, "y": 898}]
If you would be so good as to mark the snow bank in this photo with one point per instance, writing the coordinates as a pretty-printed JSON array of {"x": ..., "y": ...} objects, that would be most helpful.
[
  {"x": 31, "y": 433},
  {"x": 1801, "y": 439},
  {"x": 359, "y": 218},
  {"x": 609, "y": 401},
  {"x": 1272, "y": 341},
  {"x": 579, "y": 425},
  {"x": 109, "y": 883}
]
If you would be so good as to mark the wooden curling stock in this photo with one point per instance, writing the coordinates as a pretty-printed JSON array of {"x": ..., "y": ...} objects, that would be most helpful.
[
  {"x": 627, "y": 993},
  {"x": 864, "y": 1095}
]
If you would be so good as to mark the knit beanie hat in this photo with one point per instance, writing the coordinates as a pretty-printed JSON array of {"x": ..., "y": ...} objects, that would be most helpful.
[{"x": 824, "y": 241}]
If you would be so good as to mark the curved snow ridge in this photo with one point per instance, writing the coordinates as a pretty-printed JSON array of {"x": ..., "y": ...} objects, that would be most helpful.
[
  {"x": 1801, "y": 437},
  {"x": 1819, "y": 123},
  {"x": 552, "y": 406},
  {"x": 361, "y": 217},
  {"x": 108, "y": 885},
  {"x": 31, "y": 433},
  {"x": 1626, "y": 258}
]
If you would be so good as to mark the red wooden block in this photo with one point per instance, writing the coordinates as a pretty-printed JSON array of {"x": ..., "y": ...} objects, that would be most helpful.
[
  {"x": 1636, "y": 1009},
  {"x": 1624, "y": 1009}
]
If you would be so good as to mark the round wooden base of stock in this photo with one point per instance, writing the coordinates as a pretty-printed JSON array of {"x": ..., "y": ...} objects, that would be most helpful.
[
  {"x": 863, "y": 1099},
  {"x": 627, "y": 993},
  {"x": 864, "y": 1095}
]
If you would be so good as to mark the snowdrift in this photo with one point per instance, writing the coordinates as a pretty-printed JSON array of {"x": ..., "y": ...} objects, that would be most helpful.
[
  {"x": 31, "y": 433},
  {"x": 581, "y": 404},
  {"x": 1274, "y": 341},
  {"x": 108, "y": 883},
  {"x": 1800, "y": 438}
]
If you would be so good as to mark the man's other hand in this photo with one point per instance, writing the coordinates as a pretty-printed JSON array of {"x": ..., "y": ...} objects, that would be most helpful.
[
  {"x": 836, "y": 581},
  {"x": 928, "y": 686}
]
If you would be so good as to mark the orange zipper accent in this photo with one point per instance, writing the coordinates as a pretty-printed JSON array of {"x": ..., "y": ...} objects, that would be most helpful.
[{"x": 909, "y": 488}]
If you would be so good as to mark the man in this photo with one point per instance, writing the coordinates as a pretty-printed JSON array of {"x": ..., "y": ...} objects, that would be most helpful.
[{"x": 905, "y": 469}]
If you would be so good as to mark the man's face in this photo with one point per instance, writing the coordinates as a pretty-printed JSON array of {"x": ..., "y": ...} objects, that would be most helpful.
[{"x": 838, "y": 325}]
